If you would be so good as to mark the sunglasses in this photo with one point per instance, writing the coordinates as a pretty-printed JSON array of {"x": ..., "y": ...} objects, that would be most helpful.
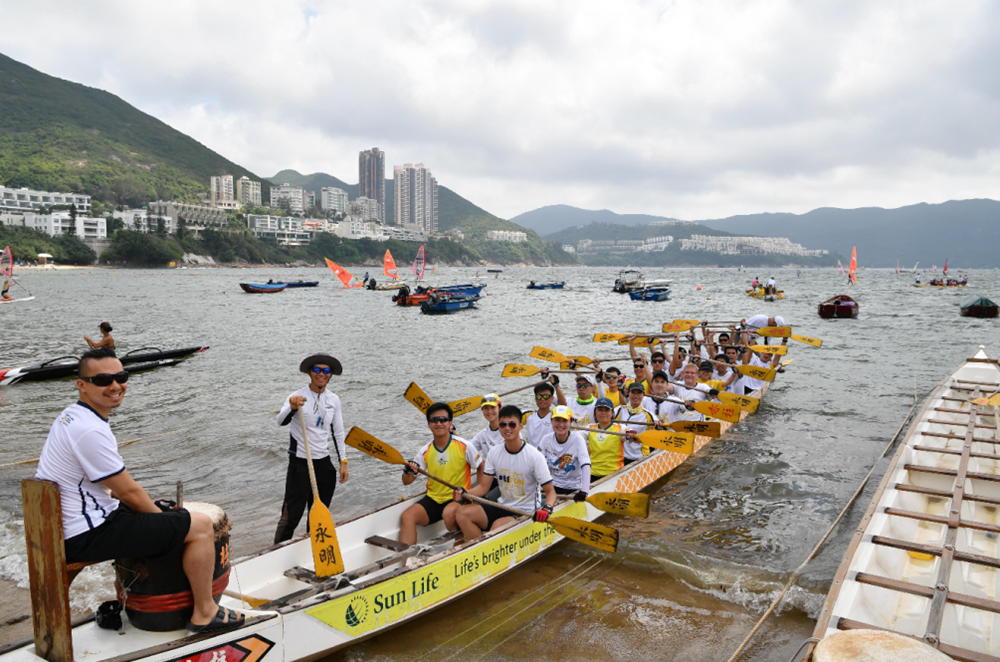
[
  {"x": 638, "y": 366},
  {"x": 507, "y": 424},
  {"x": 439, "y": 419},
  {"x": 104, "y": 379},
  {"x": 547, "y": 396},
  {"x": 658, "y": 361},
  {"x": 583, "y": 384},
  {"x": 318, "y": 370}
]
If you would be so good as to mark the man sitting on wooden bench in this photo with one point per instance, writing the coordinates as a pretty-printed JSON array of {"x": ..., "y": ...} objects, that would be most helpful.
[{"x": 81, "y": 455}]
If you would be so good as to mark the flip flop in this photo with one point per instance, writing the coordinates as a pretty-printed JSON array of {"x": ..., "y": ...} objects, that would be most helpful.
[{"x": 217, "y": 622}]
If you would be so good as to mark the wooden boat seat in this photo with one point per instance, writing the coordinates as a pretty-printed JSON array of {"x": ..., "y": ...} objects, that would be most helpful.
[{"x": 387, "y": 543}]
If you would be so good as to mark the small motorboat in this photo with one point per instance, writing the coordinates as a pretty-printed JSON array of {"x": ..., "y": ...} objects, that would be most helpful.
[
  {"x": 301, "y": 283},
  {"x": 546, "y": 286},
  {"x": 629, "y": 280},
  {"x": 650, "y": 294},
  {"x": 441, "y": 304},
  {"x": 265, "y": 288},
  {"x": 405, "y": 298},
  {"x": 66, "y": 366},
  {"x": 977, "y": 306},
  {"x": 841, "y": 306}
]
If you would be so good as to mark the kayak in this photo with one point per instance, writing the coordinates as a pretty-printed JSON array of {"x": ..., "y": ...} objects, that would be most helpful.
[
  {"x": 266, "y": 288},
  {"x": 65, "y": 366},
  {"x": 301, "y": 283}
]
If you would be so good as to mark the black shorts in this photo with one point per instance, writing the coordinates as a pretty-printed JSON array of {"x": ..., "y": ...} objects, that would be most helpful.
[
  {"x": 130, "y": 535},
  {"x": 493, "y": 514},
  {"x": 565, "y": 490},
  {"x": 434, "y": 510}
]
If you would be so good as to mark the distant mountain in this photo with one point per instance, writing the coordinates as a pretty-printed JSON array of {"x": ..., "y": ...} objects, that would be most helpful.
[
  {"x": 966, "y": 232},
  {"x": 546, "y": 220},
  {"x": 61, "y": 136}
]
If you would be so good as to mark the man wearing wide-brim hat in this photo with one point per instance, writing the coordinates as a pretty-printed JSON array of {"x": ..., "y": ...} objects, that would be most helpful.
[{"x": 322, "y": 412}]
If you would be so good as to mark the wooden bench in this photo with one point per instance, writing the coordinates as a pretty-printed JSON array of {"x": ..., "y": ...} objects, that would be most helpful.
[{"x": 48, "y": 572}]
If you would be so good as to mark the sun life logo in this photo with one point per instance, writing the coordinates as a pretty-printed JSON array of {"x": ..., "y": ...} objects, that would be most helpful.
[{"x": 357, "y": 611}]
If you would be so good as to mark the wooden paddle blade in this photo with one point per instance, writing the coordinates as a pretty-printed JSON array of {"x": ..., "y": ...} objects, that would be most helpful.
[
  {"x": 981, "y": 401},
  {"x": 764, "y": 374},
  {"x": 635, "y": 505},
  {"x": 701, "y": 428},
  {"x": 747, "y": 402},
  {"x": 416, "y": 397},
  {"x": 596, "y": 535},
  {"x": 640, "y": 341},
  {"x": 578, "y": 365},
  {"x": 459, "y": 407},
  {"x": 546, "y": 355},
  {"x": 995, "y": 400},
  {"x": 775, "y": 331},
  {"x": 519, "y": 370},
  {"x": 678, "y": 442},
  {"x": 691, "y": 322},
  {"x": 784, "y": 363},
  {"x": 366, "y": 443},
  {"x": 609, "y": 337},
  {"x": 323, "y": 536},
  {"x": 730, "y": 413},
  {"x": 586, "y": 360},
  {"x": 780, "y": 350},
  {"x": 815, "y": 342},
  {"x": 675, "y": 326}
]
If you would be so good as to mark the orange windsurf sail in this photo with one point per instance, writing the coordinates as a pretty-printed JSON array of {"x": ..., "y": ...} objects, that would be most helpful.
[
  {"x": 340, "y": 272},
  {"x": 854, "y": 265},
  {"x": 389, "y": 269}
]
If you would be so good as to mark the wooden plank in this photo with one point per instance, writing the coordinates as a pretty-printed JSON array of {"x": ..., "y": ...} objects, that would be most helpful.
[
  {"x": 954, "y": 652},
  {"x": 945, "y": 495},
  {"x": 186, "y": 641},
  {"x": 969, "y": 381},
  {"x": 981, "y": 440},
  {"x": 941, "y": 519},
  {"x": 951, "y": 472},
  {"x": 955, "y": 424},
  {"x": 953, "y": 451},
  {"x": 935, "y": 550},
  {"x": 388, "y": 543},
  {"x": 50, "y": 613}
]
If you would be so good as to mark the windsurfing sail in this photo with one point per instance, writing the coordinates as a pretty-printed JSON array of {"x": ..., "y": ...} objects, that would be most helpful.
[
  {"x": 418, "y": 264},
  {"x": 6, "y": 263},
  {"x": 854, "y": 265},
  {"x": 389, "y": 268},
  {"x": 946, "y": 267},
  {"x": 340, "y": 272},
  {"x": 897, "y": 266},
  {"x": 841, "y": 267},
  {"x": 915, "y": 268}
]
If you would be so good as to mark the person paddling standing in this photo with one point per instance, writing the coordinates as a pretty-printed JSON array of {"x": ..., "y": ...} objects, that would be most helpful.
[
  {"x": 106, "y": 341},
  {"x": 322, "y": 413}
]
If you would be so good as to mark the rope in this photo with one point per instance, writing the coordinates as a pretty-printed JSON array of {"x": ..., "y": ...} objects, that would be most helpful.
[
  {"x": 121, "y": 445},
  {"x": 819, "y": 545}
]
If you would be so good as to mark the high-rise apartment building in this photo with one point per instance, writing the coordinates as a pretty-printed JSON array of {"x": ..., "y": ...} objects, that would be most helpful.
[
  {"x": 248, "y": 191},
  {"x": 333, "y": 199},
  {"x": 294, "y": 194},
  {"x": 415, "y": 198},
  {"x": 371, "y": 177},
  {"x": 366, "y": 209},
  {"x": 222, "y": 189}
]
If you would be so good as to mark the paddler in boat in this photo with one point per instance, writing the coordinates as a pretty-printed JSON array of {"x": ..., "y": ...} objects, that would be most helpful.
[
  {"x": 583, "y": 404},
  {"x": 628, "y": 415},
  {"x": 765, "y": 360},
  {"x": 706, "y": 376},
  {"x": 451, "y": 459},
  {"x": 520, "y": 469},
  {"x": 607, "y": 451},
  {"x": 639, "y": 365},
  {"x": 488, "y": 437},
  {"x": 106, "y": 341},
  {"x": 567, "y": 455},
  {"x": 322, "y": 413},
  {"x": 771, "y": 287},
  {"x": 537, "y": 424},
  {"x": 4, "y": 295},
  {"x": 106, "y": 514},
  {"x": 608, "y": 383}
]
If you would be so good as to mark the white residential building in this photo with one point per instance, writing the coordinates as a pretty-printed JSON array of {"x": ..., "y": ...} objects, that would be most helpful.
[
  {"x": 569, "y": 248},
  {"x": 59, "y": 223},
  {"x": 196, "y": 217},
  {"x": 222, "y": 190},
  {"x": 248, "y": 192},
  {"x": 506, "y": 235},
  {"x": 415, "y": 198},
  {"x": 333, "y": 199},
  {"x": 294, "y": 194},
  {"x": 284, "y": 230},
  {"x": 353, "y": 227},
  {"x": 747, "y": 246},
  {"x": 365, "y": 208},
  {"x": 140, "y": 221},
  {"x": 27, "y": 200}
]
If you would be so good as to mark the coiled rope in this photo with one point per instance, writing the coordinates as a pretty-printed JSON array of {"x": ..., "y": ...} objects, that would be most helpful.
[{"x": 819, "y": 545}]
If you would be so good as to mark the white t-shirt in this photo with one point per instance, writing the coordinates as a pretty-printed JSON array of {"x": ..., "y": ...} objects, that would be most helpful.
[
  {"x": 757, "y": 322},
  {"x": 750, "y": 382},
  {"x": 582, "y": 414},
  {"x": 633, "y": 450},
  {"x": 659, "y": 410},
  {"x": 566, "y": 460},
  {"x": 79, "y": 453},
  {"x": 322, "y": 413},
  {"x": 536, "y": 428},
  {"x": 486, "y": 439},
  {"x": 520, "y": 475},
  {"x": 699, "y": 393}
]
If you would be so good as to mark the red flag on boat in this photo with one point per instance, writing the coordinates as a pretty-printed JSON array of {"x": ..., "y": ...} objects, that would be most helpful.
[
  {"x": 418, "y": 264},
  {"x": 854, "y": 265},
  {"x": 346, "y": 278},
  {"x": 389, "y": 269}
]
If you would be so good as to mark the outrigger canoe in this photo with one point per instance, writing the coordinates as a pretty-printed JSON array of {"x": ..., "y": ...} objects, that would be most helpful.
[
  {"x": 263, "y": 288},
  {"x": 301, "y": 617},
  {"x": 925, "y": 560},
  {"x": 65, "y": 366}
]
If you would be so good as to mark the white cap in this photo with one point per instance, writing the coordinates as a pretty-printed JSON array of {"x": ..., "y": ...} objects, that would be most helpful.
[
  {"x": 780, "y": 321},
  {"x": 589, "y": 378}
]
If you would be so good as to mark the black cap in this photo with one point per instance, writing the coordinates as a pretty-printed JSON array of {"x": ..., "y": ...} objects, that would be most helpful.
[
  {"x": 325, "y": 359},
  {"x": 705, "y": 365},
  {"x": 660, "y": 373},
  {"x": 636, "y": 386}
]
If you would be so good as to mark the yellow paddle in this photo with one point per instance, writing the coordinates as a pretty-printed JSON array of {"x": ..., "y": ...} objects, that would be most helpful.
[
  {"x": 697, "y": 428},
  {"x": 784, "y": 363},
  {"x": 416, "y": 397},
  {"x": 747, "y": 402},
  {"x": 780, "y": 350},
  {"x": 763, "y": 374},
  {"x": 691, "y": 322},
  {"x": 602, "y": 537},
  {"x": 555, "y": 357},
  {"x": 815, "y": 342},
  {"x": 621, "y": 503},
  {"x": 669, "y": 441},
  {"x": 678, "y": 326},
  {"x": 522, "y": 370},
  {"x": 322, "y": 533},
  {"x": 786, "y": 332}
]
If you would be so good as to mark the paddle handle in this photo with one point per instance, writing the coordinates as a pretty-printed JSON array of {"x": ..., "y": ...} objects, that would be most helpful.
[
  {"x": 309, "y": 459},
  {"x": 524, "y": 387},
  {"x": 586, "y": 429},
  {"x": 472, "y": 497}
]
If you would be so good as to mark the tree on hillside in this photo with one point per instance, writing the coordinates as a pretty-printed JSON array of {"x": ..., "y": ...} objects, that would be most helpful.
[
  {"x": 161, "y": 226},
  {"x": 285, "y": 205},
  {"x": 72, "y": 220},
  {"x": 181, "y": 227}
]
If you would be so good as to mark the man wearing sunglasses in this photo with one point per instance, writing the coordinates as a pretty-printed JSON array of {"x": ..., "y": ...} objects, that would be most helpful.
[
  {"x": 608, "y": 383},
  {"x": 322, "y": 412},
  {"x": 81, "y": 455},
  {"x": 450, "y": 458},
  {"x": 538, "y": 424},
  {"x": 520, "y": 469},
  {"x": 583, "y": 404}
]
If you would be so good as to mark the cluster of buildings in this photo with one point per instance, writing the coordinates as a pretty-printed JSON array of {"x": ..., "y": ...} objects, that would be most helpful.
[
  {"x": 619, "y": 245},
  {"x": 747, "y": 246},
  {"x": 506, "y": 235}
]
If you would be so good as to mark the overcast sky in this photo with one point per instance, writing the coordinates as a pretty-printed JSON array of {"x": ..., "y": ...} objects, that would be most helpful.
[{"x": 690, "y": 109}]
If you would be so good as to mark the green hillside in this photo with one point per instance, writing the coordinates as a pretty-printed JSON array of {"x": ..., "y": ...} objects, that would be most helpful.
[{"x": 61, "y": 136}]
